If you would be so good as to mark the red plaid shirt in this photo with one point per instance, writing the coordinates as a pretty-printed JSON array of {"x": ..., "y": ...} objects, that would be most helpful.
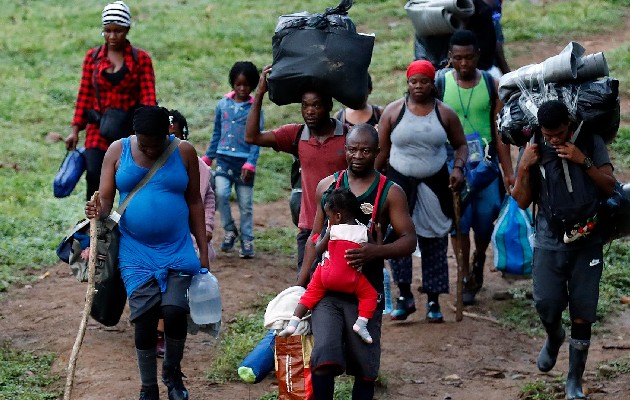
[{"x": 137, "y": 87}]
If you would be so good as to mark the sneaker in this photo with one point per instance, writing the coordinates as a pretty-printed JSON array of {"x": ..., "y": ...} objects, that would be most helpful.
[
  {"x": 404, "y": 307},
  {"x": 434, "y": 314},
  {"x": 247, "y": 249},
  {"x": 160, "y": 345},
  {"x": 172, "y": 378},
  {"x": 228, "y": 240},
  {"x": 149, "y": 393}
]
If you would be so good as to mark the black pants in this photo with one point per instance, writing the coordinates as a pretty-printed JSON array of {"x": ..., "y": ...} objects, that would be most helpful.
[{"x": 93, "y": 164}]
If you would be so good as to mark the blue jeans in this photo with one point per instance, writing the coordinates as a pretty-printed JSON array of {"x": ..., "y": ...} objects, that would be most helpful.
[{"x": 244, "y": 196}]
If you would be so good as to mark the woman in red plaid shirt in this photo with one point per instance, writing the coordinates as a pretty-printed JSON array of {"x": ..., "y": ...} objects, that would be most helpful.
[{"x": 115, "y": 75}]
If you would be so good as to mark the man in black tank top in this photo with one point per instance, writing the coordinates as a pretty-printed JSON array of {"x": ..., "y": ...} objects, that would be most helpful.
[{"x": 337, "y": 348}]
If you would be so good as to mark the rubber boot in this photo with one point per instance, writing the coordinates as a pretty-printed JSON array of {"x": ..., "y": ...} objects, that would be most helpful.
[
  {"x": 171, "y": 369},
  {"x": 549, "y": 352},
  {"x": 474, "y": 281},
  {"x": 149, "y": 393},
  {"x": 147, "y": 364},
  {"x": 578, "y": 353}
]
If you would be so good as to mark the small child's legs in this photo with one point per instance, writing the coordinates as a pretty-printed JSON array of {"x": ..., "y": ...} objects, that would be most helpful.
[
  {"x": 290, "y": 329},
  {"x": 298, "y": 314},
  {"x": 367, "y": 296},
  {"x": 360, "y": 327}
]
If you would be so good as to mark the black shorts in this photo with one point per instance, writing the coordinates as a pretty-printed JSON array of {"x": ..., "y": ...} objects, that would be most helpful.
[
  {"x": 148, "y": 294},
  {"x": 570, "y": 278},
  {"x": 335, "y": 343}
]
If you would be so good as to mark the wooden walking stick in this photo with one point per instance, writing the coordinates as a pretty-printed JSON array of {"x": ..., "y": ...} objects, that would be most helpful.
[
  {"x": 89, "y": 298},
  {"x": 459, "y": 309}
]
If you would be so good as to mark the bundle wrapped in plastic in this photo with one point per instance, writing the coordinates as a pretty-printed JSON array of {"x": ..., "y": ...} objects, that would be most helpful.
[
  {"x": 570, "y": 65},
  {"x": 438, "y": 17},
  {"x": 320, "y": 52},
  {"x": 570, "y": 77}
]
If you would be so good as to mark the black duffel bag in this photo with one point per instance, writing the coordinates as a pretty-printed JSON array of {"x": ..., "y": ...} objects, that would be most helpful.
[{"x": 320, "y": 52}]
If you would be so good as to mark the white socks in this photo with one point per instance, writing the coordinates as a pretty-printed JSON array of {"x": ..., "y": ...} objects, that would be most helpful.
[
  {"x": 360, "y": 327},
  {"x": 290, "y": 329}
]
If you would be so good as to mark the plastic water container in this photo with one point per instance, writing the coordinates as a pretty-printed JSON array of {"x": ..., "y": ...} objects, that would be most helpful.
[
  {"x": 204, "y": 298},
  {"x": 388, "y": 292}
]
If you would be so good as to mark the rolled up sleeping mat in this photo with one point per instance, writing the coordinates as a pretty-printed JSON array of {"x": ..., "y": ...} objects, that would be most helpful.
[
  {"x": 593, "y": 66},
  {"x": 429, "y": 21},
  {"x": 260, "y": 362},
  {"x": 331, "y": 61},
  {"x": 559, "y": 68},
  {"x": 459, "y": 8}
]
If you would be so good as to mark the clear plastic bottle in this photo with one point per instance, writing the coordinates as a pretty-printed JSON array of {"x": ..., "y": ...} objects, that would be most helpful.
[
  {"x": 388, "y": 292},
  {"x": 204, "y": 298}
]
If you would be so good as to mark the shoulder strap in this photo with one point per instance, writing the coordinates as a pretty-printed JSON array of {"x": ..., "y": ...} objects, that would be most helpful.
[
  {"x": 400, "y": 114},
  {"x": 381, "y": 184},
  {"x": 96, "y": 62},
  {"x": 492, "y": 92},
  {"x": 341, "y": 116},
  {"x": 440, "y": 82},
  {"x": 296, "y": 141},
  {"x": 340, "y": 179},
  {"x": 376, "y": 112},
  {"x": 438, "y": 115},
  {"x": 134, "y": 54},
  {"x": 115, "y": 215}
]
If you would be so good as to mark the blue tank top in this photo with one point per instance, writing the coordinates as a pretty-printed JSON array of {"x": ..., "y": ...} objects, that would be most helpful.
[{"x": 154, "y": 229}]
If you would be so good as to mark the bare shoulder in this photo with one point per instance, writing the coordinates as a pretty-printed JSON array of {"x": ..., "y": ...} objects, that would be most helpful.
[
  {"x": 324, "y": 184},
  {"x": 393, "y": 108}
]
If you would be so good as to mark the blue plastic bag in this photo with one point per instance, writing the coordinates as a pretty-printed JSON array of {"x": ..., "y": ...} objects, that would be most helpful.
[
  {"x": 512, "y": 239},
  {"x": 69, "y": 173},
  {"x": 261, "y": 361}
]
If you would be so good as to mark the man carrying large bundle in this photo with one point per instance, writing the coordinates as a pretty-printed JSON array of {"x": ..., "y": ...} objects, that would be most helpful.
[
  {"x": 318, "y": 144},
  {"x": 567, "y": 178}
]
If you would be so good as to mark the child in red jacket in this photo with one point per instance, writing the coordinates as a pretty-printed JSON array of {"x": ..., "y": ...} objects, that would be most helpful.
[{"x": 333, "y": 272}]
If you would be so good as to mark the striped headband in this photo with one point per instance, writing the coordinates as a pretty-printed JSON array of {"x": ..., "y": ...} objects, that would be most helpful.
[{"x": 117, "y": 13}]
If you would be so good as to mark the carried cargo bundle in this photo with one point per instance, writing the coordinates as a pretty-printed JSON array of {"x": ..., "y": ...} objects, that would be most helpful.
[
  {"x": 580, "y": 81},
  {"x": 438, "y": 17},
  {"x": 320, "y": 52}
]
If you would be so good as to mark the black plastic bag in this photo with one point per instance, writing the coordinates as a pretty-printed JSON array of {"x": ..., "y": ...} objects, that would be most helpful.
[
  {"x": 598, "y": 106},
  {"x": 320, "y": 52},
  {"x": 513, "y": 125}
]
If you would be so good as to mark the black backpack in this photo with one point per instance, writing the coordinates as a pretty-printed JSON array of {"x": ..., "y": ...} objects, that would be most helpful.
[{"x": 570, "y": 196}]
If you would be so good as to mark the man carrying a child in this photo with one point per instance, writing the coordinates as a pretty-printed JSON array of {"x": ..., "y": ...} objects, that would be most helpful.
[{"x": 337, "y": 348}]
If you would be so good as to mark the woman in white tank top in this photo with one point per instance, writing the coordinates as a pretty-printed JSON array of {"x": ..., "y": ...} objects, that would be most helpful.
[{"x": 413, "y": 132}]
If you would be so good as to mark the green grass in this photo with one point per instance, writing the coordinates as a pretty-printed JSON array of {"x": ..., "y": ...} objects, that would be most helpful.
[
  {"x": 523, "y": 20},
  {"x": 519, "y": 313},
  {"x": 614, "y": 368},
  {"x": 540, "y": 390},
  {"x": 237, "y": 341},
  {"x": 26, "y": 376},
  {"x": 619, "y": 65},
  {"x": 276, "y": 240}
]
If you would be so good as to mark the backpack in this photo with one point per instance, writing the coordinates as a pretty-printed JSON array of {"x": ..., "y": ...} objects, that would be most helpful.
[
  {"x": 571, "y": 199},
  {"x": 440, "y": 84}
]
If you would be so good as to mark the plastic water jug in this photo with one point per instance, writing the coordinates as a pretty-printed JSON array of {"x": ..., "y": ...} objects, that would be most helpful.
[
  {"x": 204, "y": 298},
  {"x": 388, "y": 292}
]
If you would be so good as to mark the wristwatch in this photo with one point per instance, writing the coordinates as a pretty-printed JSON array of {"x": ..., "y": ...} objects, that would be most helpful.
[{"x": 588, "y": 163}]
